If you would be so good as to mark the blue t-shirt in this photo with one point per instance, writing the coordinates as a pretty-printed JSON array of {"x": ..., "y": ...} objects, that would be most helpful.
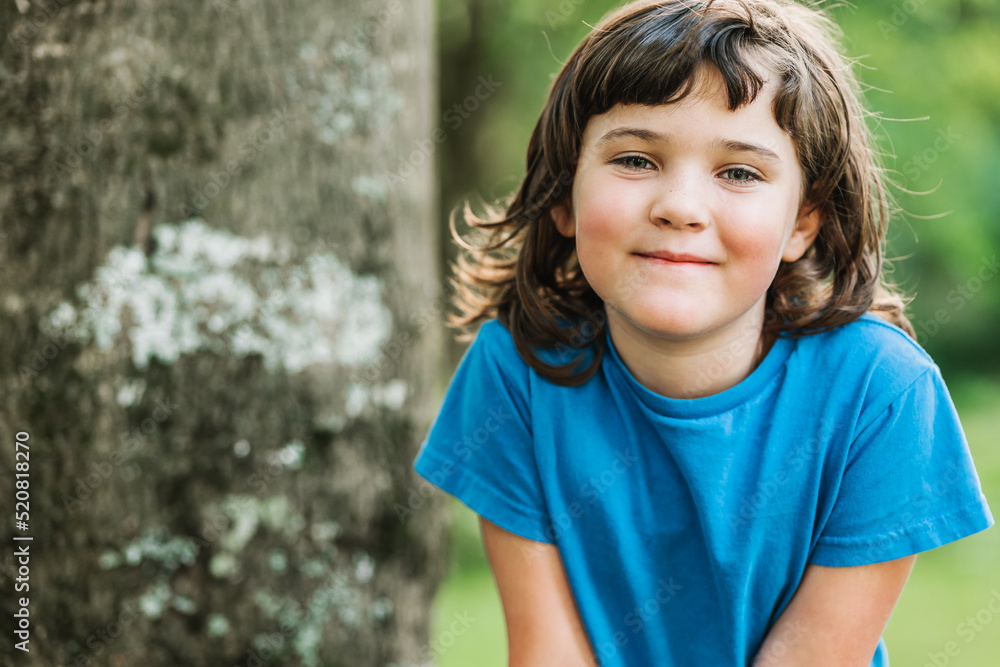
[{"x": 685, "y": 525}]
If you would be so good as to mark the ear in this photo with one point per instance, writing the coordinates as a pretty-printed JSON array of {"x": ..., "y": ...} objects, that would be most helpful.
[
  {"x": 806, "y": 229},
  {"x": 562, "y": 215}
]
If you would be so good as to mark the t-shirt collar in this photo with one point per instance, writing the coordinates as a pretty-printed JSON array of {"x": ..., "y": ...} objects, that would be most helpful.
[{"x": 767, "y": 372}]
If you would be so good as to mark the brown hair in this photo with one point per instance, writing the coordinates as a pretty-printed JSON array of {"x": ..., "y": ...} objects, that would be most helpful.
[{"x": 523, "y": 272}]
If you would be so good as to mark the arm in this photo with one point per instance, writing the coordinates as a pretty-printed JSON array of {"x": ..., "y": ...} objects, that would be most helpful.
[
  {"x": 836, "y": 616},
  {"x": 543, "y": 626}
]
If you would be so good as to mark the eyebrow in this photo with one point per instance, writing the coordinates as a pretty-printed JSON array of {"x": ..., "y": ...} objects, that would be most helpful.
[
  {"x": 634, "y": 132},
  {"x": 734, "y": 146},
  {"x": 728, "y": 145}
]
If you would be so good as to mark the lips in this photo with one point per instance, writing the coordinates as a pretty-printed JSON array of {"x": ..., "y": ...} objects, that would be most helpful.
[{"x": 676, "y": 258}]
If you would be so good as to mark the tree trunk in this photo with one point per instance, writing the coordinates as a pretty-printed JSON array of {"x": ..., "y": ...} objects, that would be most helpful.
[{"x": 218, "y": 316}]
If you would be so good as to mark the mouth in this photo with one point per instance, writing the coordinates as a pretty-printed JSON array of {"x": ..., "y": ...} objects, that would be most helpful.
[{"x": 664, "y": 257}]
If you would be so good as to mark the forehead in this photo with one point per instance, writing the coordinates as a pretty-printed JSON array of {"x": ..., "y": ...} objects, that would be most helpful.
[{"x": 703, "y": 114}]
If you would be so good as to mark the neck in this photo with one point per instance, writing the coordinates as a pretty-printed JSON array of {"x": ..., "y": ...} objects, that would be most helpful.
[{"x": 691, "y": 368}]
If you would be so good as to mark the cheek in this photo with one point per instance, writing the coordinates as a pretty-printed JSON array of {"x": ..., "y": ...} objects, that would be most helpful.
[
  {"x": 757, "y": 251},
  {"x": 601, "y": 227},
  {"x": 759, "y": 248}
]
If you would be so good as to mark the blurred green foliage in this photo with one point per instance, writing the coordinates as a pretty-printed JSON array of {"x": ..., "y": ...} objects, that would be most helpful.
[
  {"x": 931, "y": 69},
  {"x": 932, "y": 73}
]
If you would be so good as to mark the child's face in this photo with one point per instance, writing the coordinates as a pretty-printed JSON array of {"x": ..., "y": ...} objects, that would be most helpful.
[{"x": 683, "y": 212}]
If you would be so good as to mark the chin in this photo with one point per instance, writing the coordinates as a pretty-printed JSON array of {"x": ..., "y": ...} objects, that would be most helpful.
[{"x": 672, "y": 324}]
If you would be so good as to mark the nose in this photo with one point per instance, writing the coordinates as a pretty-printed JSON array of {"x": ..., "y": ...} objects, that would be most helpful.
[{"x": 681, "y": 201}]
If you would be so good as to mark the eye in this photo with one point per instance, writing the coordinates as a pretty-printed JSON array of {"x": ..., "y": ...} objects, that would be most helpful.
[
  {"x": 741, "y": 175},
  {"x": 633, "y": 162}
]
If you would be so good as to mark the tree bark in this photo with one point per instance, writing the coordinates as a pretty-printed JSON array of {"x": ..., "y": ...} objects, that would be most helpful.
[{"x": 219, "y": 310}]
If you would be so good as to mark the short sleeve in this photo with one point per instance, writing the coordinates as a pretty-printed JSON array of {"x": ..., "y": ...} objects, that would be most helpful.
[
  {"x": 480, "y": 448},
  {"x": 909, "y": 483}
]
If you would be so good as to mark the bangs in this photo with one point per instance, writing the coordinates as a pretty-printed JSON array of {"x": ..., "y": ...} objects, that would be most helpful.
[
  {"x": 654, "y": 52},
  {"x": 656, "y": 56}
]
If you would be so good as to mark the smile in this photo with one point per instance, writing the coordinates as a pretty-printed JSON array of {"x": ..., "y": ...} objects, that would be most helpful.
[{"x": 670, "y": 259}]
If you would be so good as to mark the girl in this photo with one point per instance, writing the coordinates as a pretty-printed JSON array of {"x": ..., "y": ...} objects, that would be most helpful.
[{"x": 694, "y": 421}]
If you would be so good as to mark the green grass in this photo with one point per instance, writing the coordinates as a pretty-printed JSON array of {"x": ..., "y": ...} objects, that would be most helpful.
[
  {"x": 469, "y": 598},
  {"x": 947, "y": 586},
  {"x": 957, "y": 580}
]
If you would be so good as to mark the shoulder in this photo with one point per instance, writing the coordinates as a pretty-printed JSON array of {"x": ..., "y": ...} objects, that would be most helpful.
[
  {"x": 495, "y": 342},
  {"x": 493, "y": 357},
  {"x": 869, "y": 356},
  {"x": 495, "y": 339},
  {"x": 494, "y": 345},
  {"x": 871, "y": 337}
]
